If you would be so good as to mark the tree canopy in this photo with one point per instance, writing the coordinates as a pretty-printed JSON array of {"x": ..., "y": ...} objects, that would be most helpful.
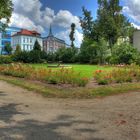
[
  {"x": 6, "y": 8},
  {"x": 72, "y": 38}
]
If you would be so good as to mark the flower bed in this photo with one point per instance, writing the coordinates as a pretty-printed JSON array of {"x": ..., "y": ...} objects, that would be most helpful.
[
  {"x": 59, "y": 76},
  {"x": 118, "y": 75}
]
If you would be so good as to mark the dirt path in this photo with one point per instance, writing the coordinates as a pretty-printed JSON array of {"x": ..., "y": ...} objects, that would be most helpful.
[{"x": 28, "y": 116}]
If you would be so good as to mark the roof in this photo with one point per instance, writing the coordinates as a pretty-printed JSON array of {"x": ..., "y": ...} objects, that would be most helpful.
[
  {"x": 27, "y": 33},
  {"x": 55, "y": 38}
]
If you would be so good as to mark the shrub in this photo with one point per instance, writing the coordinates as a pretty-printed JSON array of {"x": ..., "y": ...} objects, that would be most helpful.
[
  {"x": 118, "y": 75},
  {"x": 34, "y": 56},
  {"x": 5, "y": 59},
  {"x": 124, "y": 53},
  {"x": 57, "y": 76}
]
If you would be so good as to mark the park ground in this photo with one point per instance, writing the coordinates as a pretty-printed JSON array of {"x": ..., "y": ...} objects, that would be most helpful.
[{"x": 26, "y": 115}]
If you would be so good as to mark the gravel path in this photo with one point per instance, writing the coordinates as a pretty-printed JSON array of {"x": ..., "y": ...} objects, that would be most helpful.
[{"x": 25, "y": 115}]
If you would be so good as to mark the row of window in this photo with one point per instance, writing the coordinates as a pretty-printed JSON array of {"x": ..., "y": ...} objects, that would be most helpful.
[
  {"x": 27, "y": 47},
  {"x": 27, "y": 40}
]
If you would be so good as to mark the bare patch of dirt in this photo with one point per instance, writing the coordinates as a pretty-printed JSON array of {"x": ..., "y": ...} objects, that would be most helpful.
[{"x": 28, "y": 116}]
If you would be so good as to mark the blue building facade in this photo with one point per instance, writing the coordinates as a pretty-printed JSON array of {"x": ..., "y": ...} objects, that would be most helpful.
[{"x": 5, "y": 37}]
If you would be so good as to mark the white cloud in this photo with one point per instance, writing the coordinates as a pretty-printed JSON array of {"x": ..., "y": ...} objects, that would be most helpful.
[
  {"x": 31, "y": 14},
  {"x": 32, "y": 9},
  {"x": 132, "y": 9},
  {"x": 136, "y": 26},
  {"x": 24, "y": 22},
  {"x": 65, "y": 36},
  {"x": 64, "y": 19}
]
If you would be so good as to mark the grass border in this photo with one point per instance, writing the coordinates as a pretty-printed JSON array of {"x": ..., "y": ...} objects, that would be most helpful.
[{"x": 79, "y": 92}]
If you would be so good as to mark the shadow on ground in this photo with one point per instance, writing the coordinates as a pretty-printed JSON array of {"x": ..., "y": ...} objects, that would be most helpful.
[
  {"x": 37, "y": 130},
  {"x": 2, "y": 93}
]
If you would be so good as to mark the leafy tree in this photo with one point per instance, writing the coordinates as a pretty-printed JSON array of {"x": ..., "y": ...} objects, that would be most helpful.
[
  {"x": 88, "y": 51},
  {"x": 72, "y": 34},
  {"x": 18, "y": 49},
  {"x": 37, "y": 46},
  {"x": 67, "y": 55},
  {"x": 6, "y": 8},
  {"x": 102, "y": 51},
  {"x": 124, "y": 53},
  {"x": 8, "y": 48},
  {"x": 87, "y": 23},
  {"x": 111, "y": 21}
]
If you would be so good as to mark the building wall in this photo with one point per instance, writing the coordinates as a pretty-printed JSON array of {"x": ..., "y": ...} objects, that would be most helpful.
[
  {"x": 51, "y": 44},
  {"x": 26, "y": 42},
  {"x": 136, "y": 40},
  {"x": 6, "y": 37}
]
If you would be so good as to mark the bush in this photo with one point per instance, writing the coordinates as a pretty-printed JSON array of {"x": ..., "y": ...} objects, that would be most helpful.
[
  {"x": 124, "y": 53},
  {"x": 59, "y": 76},
  {"x": 5, "y": 59},
  {"x": 34, "y": 56},
  {"x": 118, "y": 75}
]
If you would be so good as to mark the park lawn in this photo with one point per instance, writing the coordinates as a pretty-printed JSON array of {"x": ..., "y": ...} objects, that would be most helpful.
[{"x": 84, "y": 69}]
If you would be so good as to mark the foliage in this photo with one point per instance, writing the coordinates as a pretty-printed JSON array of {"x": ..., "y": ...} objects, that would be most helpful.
[
  {"x": 5, "y": 59},
  {"x": 34, "y": 56},
  {"x": 87, "y": 23},
  {"x": 72, "y": 34},
  {"x": 88, "y": 52},
  {"x": 104, "y": 32},
  {"x": 22, "y": 57},
  {"x": 118, "y": 75},
  {"x": 111, "y": 22},
  {"x": 60, "y": 76},
  {"x": 18, "y": 49},
  {"x": 6, "y": 8},
  {"x": 8, "y": 48},
  {"x": 37, "y": 46},
  {"x": 67, "y": 55},
  {"x": 124, "y": 53},
  {"x": 94, "y": 52}
]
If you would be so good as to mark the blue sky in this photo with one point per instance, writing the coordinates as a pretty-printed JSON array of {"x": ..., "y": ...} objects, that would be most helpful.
[
  {"x": 72, "y": 5},
  {"x": 39, "y": 14}
]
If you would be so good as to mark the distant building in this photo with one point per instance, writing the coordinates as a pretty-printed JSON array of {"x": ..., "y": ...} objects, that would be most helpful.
[
  {"x": 26, "y": 39},
  {"x": 136, "y": 39},
  {"x": 51, "y": 43},
  {"x": 5, "y": 37}
]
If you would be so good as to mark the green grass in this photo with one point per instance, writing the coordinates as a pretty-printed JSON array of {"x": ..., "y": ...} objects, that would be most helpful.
[
  {"x": 79, "y": 92},
  {"x": 85, "y": 70}
]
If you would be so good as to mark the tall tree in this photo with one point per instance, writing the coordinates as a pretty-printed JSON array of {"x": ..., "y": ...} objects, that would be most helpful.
[
  {"x": 6, "y": 8},
  {"x": 8, "y": 48},
  {"x": 18, "y": 49},
  {"x": 72, "y": 38},
  {"x": 110, "y": 20},
  {"x": 87, "y": 23},
  {"x": 37, "y": 46}
]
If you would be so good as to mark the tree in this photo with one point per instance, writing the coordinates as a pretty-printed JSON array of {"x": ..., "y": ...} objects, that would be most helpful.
[
  {"x": 67, "y": 55},
  {"x": 72, "y": 34},
  {"x": 87, "y": 23},
  {"x": 18, "y": 49},
  {"x": 6, "y": 8},
  {"x": 88, "y": 51},
  {"x": 111, "y": 21},
  {"x": 8, "y": 48},
  {"x": 124, "y": 53},
  {"x": 102, "y": 51},
  {"x": 37, "y": 46}
]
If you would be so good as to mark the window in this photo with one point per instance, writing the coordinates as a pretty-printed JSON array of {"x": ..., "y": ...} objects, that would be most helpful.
[
  {"x": 24, "y": 40},
  {"x": 30, "y": 40},
  {"x": 27, "y": 40}
]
